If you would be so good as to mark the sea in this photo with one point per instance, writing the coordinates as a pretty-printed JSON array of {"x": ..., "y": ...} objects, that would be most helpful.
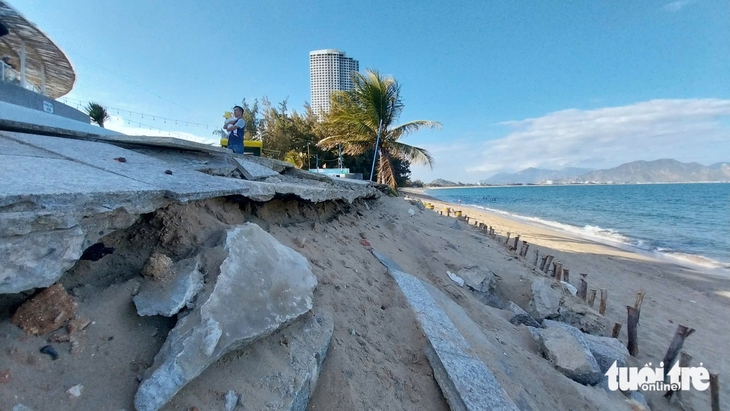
[{"x": 688, "y": 224}]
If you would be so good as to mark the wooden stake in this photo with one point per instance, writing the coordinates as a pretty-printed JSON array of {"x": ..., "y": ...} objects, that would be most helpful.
[
  {"x": 583, "y": 287},
  {"x": 566, "y": 275},
  {"x": 591, "y": 297},
  {"x": 631, "y": 322},
  {"x": 542, "y": 262},
  {"x": 547, "y": 263},
  {"x": 517, "y": 240},
  {"x": 507, "y": 240},
  {"x": 677, "y": 342},
  {"x": 537, "y": 256},
  {"x": 639, "y": 299},
  {"x": 684, "y": 361},
  {"x": 527, "y": 247},
  {"x": 616, "y": 330},
  {"x": 714, "y": 392},
  {"x": 557, "y": 270},
  {"x": 602, "y": 304}
]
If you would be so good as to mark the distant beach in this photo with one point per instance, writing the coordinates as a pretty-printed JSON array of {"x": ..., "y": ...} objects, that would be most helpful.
[{"x": 678, "y": 223}]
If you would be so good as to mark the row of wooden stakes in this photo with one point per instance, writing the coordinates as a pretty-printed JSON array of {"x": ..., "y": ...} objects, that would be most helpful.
[{"x": 561, "y": 273}]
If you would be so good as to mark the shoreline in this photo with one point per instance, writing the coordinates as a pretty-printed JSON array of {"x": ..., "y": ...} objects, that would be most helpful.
[{"x": 508, "y": 223}]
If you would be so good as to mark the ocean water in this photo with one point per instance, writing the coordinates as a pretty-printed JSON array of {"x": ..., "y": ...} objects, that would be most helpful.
[{"x": 685, "y": 223}]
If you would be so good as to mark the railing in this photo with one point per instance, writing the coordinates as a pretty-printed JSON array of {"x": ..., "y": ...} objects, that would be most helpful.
[{"x": 10, "y": 75}]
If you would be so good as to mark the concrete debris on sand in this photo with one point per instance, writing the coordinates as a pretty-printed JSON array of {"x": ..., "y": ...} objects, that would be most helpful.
[
  {"x": 569, "y": 356},
  {"x": 545, "y": 299},
  {"x": 46, "y": 312},
  {"x": 169, "y": 292},
  {"x": 156, "y": 265},
  {"x": 282, "y": 369},
  {"x": 262, "y": 286},
  {"x": 465, "y": 381}
]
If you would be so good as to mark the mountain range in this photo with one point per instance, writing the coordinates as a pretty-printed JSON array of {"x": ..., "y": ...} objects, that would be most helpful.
[{"x": 657, "y": 171}]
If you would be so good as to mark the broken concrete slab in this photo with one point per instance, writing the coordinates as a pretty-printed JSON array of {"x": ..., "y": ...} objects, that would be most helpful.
[
  {"x": 262, "y": 286},
  {"x": 276, "y": 165},
  {"x": 183, "y": 184},
  {"x": 569, "y": 356},
  {"x": 171, "y": 291},
  {"x": 478, "y": 278},
  {"x": 253, "y": 171},
  {"x": 521, "y": 317},
  {"x": 577, "y": 313},
  {"x": 285, "y": 380},
  {"x": 606, "y": 350},
  {"x": 545, "y": 300},
  {"x": 48, "y": 311},
  {"x": 465, "y": 381},
  {"x": 581, "y": 338}
]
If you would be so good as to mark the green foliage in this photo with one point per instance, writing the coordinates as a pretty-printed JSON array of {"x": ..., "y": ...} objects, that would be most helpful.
[
  {"x": 355, "y": 117},
  {"x": 97, "y": 113}
]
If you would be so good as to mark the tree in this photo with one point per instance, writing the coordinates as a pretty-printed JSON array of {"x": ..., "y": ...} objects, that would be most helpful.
[
  {"x": 97, "y": 113},
  {"x": 355, "y": 116}
]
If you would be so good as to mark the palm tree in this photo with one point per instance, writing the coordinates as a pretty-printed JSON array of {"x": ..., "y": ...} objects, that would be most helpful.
[
  {"x": 296, "y": 158},
  {"x": 97, "y": 113},
  {"x": 355, "y": 116}
]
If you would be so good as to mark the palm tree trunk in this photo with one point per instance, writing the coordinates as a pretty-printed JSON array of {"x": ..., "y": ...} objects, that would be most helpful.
[{"x": 385, "y": 169}]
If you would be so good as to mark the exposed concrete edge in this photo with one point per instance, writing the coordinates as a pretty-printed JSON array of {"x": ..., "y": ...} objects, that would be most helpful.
[
  {"x": 116, "y": 138},
  {"x": 466, "y": 382}
]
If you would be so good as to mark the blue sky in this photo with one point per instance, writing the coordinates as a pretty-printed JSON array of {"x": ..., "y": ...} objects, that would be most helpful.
[{"x": 547, "y": 84}]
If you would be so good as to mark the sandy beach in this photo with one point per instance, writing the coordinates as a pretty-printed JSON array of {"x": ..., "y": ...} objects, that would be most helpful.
[
  {"x": 675, "y": 294},
  {"x": 376, "y": 358}
]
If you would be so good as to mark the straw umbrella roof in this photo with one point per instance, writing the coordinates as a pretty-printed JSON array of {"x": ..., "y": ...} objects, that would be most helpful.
[{"x": 42, "y": 54}]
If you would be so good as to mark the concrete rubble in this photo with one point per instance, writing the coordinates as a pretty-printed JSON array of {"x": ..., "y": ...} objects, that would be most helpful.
[
  {"x": 45, "y": 312},
  {"x": 465, "y": 381},
  {"x": 478, "y": 278},
  {"x": 171, "y": 291},
  {"x": 606, "y": 350},
  {"x": 103, "y": 183},
  {"x": 545, "y": 299},
  {"x": 284, "y": 381},
  {"x": 261, "y": 287},
  {"x": 253, "y": 171},
  {"x": 569, "y": 356}
]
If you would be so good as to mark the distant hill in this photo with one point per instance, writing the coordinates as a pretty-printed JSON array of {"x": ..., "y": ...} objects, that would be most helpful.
[
  {"x": 535, "y": 175},
  {"x": 657, "y": 171},
  {"x": 440, "y": 182}
]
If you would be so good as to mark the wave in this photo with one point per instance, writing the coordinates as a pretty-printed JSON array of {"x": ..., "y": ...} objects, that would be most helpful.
[{"x": 612, "y": 237}]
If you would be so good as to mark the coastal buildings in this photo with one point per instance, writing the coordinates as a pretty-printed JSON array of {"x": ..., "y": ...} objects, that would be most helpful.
[{"x": 329, "y": 70}]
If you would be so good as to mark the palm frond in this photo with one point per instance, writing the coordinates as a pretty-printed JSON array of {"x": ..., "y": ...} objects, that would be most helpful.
[{"x": 411, "y": 154}]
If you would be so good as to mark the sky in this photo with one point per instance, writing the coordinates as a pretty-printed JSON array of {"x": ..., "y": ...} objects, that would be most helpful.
[{"x": 546, "y": 84}]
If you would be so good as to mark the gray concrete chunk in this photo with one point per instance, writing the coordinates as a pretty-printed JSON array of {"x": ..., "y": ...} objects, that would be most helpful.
[
  {"x": 174, "y": 290},
  {"x": 580, "y": 376},
  {"x": 545, "y": 299},
  {"x": 606, "y": 350},
  {"x": 288, "y": 375},
  {"x": 568, "y": 353},
  {"x": 465, "y": 381},
  {"x": 262, "y": 286},
  {"x": 253, "y": 171},
  {"x": 478, "y": 278}
]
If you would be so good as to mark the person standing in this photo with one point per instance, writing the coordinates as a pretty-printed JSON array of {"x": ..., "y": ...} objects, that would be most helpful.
[{"x": 235, "y": 128}]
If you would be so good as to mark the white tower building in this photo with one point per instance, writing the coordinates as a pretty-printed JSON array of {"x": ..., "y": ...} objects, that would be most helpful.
[{"x": 329, "y": 70}]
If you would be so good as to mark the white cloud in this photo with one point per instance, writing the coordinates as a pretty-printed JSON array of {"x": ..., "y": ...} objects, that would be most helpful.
[
  {"x": 686, "y": 130},
  {"x": 678, "y": 5},
  {"x": 118, "y": 123}
]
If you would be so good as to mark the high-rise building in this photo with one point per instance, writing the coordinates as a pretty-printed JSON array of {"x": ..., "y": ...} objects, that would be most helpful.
[{"x": 329, "y": 70}]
